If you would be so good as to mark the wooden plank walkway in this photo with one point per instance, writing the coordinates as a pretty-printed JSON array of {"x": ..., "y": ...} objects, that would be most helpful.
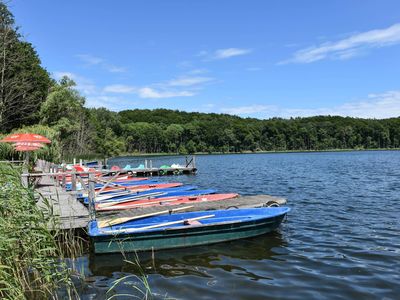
[{"x": 72, "y": 213}]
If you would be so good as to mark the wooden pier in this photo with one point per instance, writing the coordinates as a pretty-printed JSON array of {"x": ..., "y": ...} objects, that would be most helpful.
[
  {"x": 74, "y": 215},
  {"x": 71, "y": 212}
]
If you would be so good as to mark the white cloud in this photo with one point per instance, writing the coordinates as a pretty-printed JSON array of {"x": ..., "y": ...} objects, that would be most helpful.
[
  {"x": 378, "y": 106},
  {"x": 223, "y": 53},
  {"x": 348, "y": 47},
  {"x": 148, "y": 92},
  {"x": 119, "y": 89},
  {"x": 83, "y": 84},
  {"x": 188, "y": 81},
  {"x": 92, "y": 60},
  {"x": 230, "y": 52}
]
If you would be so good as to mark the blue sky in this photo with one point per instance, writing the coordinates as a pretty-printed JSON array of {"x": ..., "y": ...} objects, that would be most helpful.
[{"x": 249, "y": 58}]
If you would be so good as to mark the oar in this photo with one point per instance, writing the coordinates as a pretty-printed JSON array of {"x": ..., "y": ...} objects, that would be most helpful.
[
  {"x": 107, "y": 223},
  {"x": 156, "y": 225},
  {"x": 152, "y": 202},
  {"x": 107, "y": 183},
  {"x": 109, "y": 202}
]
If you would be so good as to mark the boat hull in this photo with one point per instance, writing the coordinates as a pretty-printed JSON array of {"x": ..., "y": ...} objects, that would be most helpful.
[{"x": 185, "y": 237}]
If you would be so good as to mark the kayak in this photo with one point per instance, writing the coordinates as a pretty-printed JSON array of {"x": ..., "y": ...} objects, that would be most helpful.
[
  {"x": 185, "y": 229},
  {"x": 163, "y": 201}
]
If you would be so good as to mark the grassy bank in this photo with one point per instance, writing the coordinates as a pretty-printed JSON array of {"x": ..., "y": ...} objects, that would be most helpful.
[{"x": 30, "y": 254}]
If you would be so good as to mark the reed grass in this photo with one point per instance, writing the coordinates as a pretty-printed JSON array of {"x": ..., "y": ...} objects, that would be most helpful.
[
  {"x": 139, "y": 283},
  {"x": 31, "y": 254}
]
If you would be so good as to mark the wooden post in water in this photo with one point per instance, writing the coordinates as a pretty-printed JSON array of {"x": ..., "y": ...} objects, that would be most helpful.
[
  {"x": 91, "y": 197},
  {"x": 80, "y": 162},
  {"x": 74, "y": 161}
]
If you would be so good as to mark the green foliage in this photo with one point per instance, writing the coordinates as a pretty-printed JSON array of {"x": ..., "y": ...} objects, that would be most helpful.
[
  {"x": 223, "y": 133},
  {"x": 64, "y": 110},
  {"x": 29, "y": 267},
  {"x": 24, "y": 83}
]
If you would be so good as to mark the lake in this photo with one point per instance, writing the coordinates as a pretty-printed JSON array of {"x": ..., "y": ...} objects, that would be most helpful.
[{"x": 341, "y": 239}]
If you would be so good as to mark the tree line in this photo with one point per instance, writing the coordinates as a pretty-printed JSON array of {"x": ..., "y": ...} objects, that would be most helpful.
[{"x": 30, "y": 100}]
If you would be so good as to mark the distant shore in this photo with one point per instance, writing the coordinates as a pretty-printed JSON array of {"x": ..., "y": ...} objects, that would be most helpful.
[{"x": 251, "y": 152}]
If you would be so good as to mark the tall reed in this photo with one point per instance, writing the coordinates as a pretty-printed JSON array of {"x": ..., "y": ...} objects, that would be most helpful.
[{"x": 30, "y": 265}]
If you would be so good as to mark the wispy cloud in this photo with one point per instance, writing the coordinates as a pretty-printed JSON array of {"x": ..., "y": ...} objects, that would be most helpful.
[
  {"x": 92, "y": 60},
  {"x": 188, "y": 81},
  {"x": 119, "y": 89},
  {"x": 148, "y": 92},
  {"x": 379, "y": 106},
  {"x": 349, "y": 47},
  {"x": 83, "y": 84},
  {"x": 223, "y": 53},
  {"x": 230, "y": 52}
]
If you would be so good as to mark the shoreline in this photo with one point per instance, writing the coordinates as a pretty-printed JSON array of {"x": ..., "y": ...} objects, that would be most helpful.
[{"x": 251, "y": 152}]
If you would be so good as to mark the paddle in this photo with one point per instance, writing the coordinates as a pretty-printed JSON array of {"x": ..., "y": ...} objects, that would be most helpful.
[
  {"x": 186, "y": 221},
  {"x": 106, "y": 203},
  {"x": 152, "y": 202},
  {"x": 107, "y": 183},
  {"x": 107, "y": 223}
]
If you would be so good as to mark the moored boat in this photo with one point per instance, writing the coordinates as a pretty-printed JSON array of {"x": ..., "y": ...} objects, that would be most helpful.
[
  {"x": 167, "y": 201},
  {"x": 185, "y": 229}
]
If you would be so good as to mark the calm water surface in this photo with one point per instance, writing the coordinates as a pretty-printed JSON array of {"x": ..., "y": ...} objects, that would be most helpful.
[{"x": 340, "y": 241}]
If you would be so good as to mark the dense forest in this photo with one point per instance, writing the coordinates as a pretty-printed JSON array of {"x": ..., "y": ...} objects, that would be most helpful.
[{"x": 31, "y": 101}]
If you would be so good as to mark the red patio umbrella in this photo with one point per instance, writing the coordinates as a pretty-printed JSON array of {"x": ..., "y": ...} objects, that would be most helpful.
[
  {"x": 28, "y": 144},
  {"x": 26, "y": 148},
  {"x": 25, "y": 137}
]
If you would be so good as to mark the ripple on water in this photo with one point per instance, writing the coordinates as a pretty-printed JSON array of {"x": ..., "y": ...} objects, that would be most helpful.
[{"x": 341, "y": 239}]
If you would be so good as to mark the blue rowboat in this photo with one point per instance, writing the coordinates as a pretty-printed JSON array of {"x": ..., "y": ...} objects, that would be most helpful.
[
  {"x": 121, "y": 197},
  {"x": 153, "y": 194},
  {"x": 126, "y": 183},
  {"x": 185, "y": 229}
]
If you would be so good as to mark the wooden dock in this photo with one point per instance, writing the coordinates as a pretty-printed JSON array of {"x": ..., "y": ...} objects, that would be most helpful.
[{"x": 72, "y": 213}]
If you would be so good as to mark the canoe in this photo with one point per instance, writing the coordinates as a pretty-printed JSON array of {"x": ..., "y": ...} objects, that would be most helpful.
[
  {"x": 154, "y": 194},
  {"x": 127, "y": 195},
  {"x": 163, "y": 202},
  {"x": 136, "y": 188},
  {"x": 126, "y": 183},
  {"x": 185, "y": 229},
  {"x": 144, "y": 187}
]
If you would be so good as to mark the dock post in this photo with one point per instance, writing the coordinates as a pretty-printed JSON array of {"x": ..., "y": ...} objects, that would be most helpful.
[
  {"x": 80, "y": 162},
  {"x": 64, "y": 179},
  {"x": 74, "y": 163},
  {"x": 73, "y": 180},
  {"x": 151, "y": 164},
  {"x": 145, "y": 163},
  {"x": 194, "y": 162},
  {"x": 91, "y": 196}
]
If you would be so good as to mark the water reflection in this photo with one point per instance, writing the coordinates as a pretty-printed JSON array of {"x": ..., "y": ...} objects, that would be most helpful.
[{"x": 193, "y": 260}]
